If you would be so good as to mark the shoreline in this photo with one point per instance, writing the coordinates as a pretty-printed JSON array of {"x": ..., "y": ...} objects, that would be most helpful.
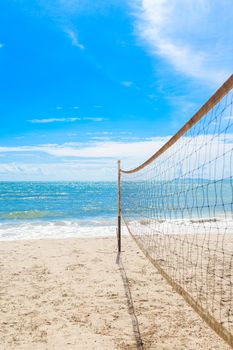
[
  {"x": 14, "y": 231},
  {"x": 105, "y": 227},
  {"x": 73, "y": 293}
]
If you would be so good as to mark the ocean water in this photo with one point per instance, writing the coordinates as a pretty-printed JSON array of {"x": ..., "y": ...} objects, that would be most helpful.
[
  {"x": 178, "y": 199},
  {"x": 61, "y": 209},
  {"x": 31, "y": 210}
]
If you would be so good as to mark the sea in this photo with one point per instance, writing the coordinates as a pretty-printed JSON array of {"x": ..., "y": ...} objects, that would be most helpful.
[{"x": 35, "y": 210}]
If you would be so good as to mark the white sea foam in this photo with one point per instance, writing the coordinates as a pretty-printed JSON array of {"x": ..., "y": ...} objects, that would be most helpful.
[
  {"x": 102, "y": 228},
  {"x": 209, "y": 225},
  {"x": 54, "y": 229}
]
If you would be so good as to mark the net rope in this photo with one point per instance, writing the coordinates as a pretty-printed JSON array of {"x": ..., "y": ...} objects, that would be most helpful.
[{"x": 178, "y": 208}]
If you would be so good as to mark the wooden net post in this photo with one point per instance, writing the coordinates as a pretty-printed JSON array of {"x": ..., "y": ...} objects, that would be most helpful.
[{"x": 119, "y": 208}]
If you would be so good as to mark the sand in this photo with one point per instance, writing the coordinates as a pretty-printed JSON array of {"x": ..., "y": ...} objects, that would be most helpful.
[{"x": 76, "y": 293}]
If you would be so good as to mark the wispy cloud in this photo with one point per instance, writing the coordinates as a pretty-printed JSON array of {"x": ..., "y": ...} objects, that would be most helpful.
[
  {"x": 109, "y": 149},
  {"x": 94, "y": 119},
  {"x": 58, "y": 108},
  {"x": 72, "y": 134},
  {"x": 131, "y": 152},
  {"x": 53, "y": 120},
  {"x": 100, "y": 170},
  {"x": 101, "y": 156},
  {"x": 74, "y": 38},
  {"x": 1, "y": 46},
  {"x": 76, "y": 107},
  {"x": 20, "y": 137},
  {"x": 188, "y": 35},
  {"x": 64, "y": 120},
  {"x": 127, "y": 83}
]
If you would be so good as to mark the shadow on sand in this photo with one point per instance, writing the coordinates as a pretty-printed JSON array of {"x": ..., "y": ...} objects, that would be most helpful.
[{"x": 131, "y": 310}]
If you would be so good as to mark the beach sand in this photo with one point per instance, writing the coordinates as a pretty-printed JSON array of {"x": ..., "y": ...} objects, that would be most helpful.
[{"x": 76, "y": 293}]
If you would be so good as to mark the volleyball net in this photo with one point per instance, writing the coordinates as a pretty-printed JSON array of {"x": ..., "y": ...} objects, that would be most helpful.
[{"x": 178, "y": 205}]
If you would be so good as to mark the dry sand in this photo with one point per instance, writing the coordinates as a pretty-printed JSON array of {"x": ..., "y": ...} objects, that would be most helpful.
[{"x": 76, "y": 294}]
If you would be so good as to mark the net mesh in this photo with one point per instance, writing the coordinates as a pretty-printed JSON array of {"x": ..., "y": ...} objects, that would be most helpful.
[{"x": 179, "y": 208}]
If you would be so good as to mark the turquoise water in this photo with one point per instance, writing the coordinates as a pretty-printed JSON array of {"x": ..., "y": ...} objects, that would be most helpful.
[
  {"x": 47, "y": 209},
  {"x": 178, "y": 199},
  {"x": 96, "y": 202},
  {"x": 23, "y": 201},
  {"x": 67, "y": 209}
]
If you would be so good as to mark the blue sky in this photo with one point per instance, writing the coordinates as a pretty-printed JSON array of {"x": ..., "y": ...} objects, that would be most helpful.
[{"x": 83, "y": 84}]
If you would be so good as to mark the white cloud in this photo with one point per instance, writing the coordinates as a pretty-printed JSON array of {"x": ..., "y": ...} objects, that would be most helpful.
[
  {"x": 97, "y": 160},
  {"x": 109, "y": 149},
  {"x": 191, "y": 36},
  {"x": 74, "y": 39},
  {"x": 114, "y": 149},
  {"x": 67, "y": 171},
  {"x": 53, "y": 120},
  {"x": 101, "y": 138}
]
